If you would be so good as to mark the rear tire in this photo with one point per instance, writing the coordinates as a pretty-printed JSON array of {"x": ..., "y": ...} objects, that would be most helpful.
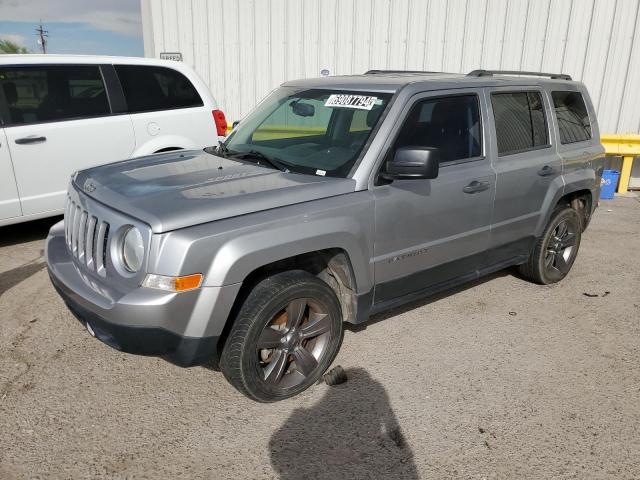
[
  {"x": 285, "y": 336},
  {"x": 555, "y": 251}
]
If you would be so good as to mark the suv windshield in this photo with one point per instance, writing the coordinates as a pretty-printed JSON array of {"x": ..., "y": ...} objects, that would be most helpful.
[{"x": 313, "y": 131}]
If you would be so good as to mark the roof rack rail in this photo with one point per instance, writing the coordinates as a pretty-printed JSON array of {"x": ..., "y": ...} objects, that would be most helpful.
[
  {"x": 378, "y": 72},
  {"x": 489, "y": 73}
]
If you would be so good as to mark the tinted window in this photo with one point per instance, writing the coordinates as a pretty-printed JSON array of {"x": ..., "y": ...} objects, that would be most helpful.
[
  {"x": 46, "y": 94},
  {"x": 156, "y": 88},
  {"x": 573, "y": 119},
  {"x": 450, "y": 124},
  {"x": 520, "y": 121}
]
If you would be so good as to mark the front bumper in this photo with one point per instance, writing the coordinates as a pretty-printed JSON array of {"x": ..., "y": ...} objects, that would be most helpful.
[
  {"x": 155, "y": 341},
  {"x": 183, "y": 328}
]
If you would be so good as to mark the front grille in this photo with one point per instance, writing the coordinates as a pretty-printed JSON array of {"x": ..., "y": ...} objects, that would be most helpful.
[{"x": 86, "y": 237}]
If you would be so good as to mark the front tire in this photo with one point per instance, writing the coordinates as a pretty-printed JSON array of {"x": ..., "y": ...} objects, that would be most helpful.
[
  {"x": 286, "y": 334},
  {"x": 555, "y": 251}
]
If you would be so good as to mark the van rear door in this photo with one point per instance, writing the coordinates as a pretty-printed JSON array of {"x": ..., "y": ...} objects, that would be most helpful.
[{"x": 60, "y": 122}]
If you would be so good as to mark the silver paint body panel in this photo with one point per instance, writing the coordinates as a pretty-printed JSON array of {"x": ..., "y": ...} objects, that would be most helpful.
[{"x": 226, "y": 218}]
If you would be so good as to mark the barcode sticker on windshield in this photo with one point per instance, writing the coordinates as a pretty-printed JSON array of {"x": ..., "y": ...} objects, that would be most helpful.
[{"x": 361, "y": 102}]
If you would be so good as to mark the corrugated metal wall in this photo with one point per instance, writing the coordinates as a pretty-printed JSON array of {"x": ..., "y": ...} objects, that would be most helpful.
[{"x": 245, "y": 48}]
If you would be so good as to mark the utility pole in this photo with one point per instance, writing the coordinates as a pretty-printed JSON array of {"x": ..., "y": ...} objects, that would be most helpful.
[{"x": 42, "y": 37}]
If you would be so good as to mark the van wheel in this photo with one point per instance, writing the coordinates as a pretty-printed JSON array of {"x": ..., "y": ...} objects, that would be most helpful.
[
  {"x": 286, "y": 334},
  {"x": 555, "y": 251}
]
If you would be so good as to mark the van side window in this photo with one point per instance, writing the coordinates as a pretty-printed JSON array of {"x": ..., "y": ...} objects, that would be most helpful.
[
  {"x": 573, "y": 119},
  {"x": 53, "y": 93},
  {"x": 149, "y": 88},
  {"x": 450, "y": 124},
  {"x": 520, "y": 121}
]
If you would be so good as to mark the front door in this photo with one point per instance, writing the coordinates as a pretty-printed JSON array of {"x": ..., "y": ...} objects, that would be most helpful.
[
  {"x": 60, "y": 122},
  {"x": 430, "y": 233}
]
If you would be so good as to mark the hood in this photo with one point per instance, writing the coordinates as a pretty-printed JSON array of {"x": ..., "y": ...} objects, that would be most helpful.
[{"x": 184, "y": 188}]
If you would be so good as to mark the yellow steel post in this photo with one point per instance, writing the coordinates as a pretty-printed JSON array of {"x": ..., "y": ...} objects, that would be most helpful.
[{"x": 625, "y": 174}]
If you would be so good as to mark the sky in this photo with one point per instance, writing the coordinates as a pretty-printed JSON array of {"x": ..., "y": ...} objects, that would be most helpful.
[{"x": 88, "y": 27}]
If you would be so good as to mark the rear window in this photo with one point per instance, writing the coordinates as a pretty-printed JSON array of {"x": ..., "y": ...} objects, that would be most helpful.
[
  {"x": 53, "y": 93},
  {"x": 520, "y": 121},
  {"x": 156, "y": 88},
  {"x": 573, "y": 119}
]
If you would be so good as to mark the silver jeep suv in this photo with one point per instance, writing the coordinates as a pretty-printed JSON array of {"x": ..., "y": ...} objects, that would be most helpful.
[{"x": 335, "y": 199}]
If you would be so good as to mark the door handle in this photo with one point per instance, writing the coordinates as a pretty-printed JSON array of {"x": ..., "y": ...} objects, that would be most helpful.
[
  {"x": 546, "y": 171},
  {"x": 476, "y": 186},
  {"x": 30, "y": 139}
]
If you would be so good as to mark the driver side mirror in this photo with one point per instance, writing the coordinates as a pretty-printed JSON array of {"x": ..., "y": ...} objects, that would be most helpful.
[{"x": 412, "y": 163}]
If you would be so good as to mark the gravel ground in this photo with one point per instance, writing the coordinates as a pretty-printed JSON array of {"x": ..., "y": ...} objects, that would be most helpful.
[{"x": 499, "y": 379}]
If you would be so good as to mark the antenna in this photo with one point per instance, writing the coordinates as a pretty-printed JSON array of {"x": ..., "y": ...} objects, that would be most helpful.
[{"x": 42, "y": 37}]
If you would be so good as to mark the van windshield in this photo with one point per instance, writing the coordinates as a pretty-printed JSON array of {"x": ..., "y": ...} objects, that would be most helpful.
[{"x": 312, "y": 131}]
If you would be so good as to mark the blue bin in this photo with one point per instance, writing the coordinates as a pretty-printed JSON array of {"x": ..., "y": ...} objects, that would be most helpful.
[{"x": 608, "y": 184}]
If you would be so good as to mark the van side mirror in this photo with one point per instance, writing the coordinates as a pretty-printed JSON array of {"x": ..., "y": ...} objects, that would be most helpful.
[{"x": 413, "y": 163}]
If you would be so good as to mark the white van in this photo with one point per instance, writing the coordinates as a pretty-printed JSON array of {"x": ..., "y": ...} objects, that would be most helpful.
[{"x": 62, "y": 113}]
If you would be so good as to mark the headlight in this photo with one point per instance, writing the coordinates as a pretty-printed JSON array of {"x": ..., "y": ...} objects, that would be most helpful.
[{"x": 133, "y": 250}]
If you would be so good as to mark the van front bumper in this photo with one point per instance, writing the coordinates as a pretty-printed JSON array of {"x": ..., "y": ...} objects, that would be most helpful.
[{"x": 144, "y": 321}]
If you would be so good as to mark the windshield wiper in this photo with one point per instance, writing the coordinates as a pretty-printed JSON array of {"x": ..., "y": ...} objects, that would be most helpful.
[
  {"x": 260, "y": 157},
  {"x": 220, "y": 150}
]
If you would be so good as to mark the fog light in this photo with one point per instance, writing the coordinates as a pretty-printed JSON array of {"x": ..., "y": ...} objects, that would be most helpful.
[{"x": 173, "y": 284}]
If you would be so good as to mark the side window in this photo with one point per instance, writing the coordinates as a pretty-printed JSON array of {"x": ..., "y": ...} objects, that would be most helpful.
[
  {"x": 53, "y": 93},
  {"x": 450, "y": 124},
  {"x": 573, "y": 119},
  {"x": 149, "y": 88},
  {"x": 520, "y": 121}
]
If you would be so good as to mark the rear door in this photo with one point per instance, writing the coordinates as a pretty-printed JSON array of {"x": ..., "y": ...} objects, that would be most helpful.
[
  {"x": 60, "y": 122},
  {"x": 433, "y": 231},
  {"x": 528, "y": 168}
]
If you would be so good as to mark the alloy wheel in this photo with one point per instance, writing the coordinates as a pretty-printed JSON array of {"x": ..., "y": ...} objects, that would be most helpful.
[
  {"x": 560, "y": 248},
  {"x": 293, "y": 342}
]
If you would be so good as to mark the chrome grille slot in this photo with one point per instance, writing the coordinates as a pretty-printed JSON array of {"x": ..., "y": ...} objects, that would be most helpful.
[
  {"x": 86, "y": 237},
  {"x": 91, "y": 233},
  {"x": 67, "y": 209},
  {"x": 74, "y": 232},
  {"x": 101, "y": 251},
  {"x": 82, "y": 235}
]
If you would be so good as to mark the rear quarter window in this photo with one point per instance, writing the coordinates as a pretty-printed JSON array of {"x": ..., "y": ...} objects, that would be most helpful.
[
  {"x": 149, "y": 88},
  {"x": 572, "y": 115}
]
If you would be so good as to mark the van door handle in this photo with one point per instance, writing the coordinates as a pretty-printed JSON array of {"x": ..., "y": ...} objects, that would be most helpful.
[
  {"x": 546, "y": 171},
  {"x": 476, "y": 186},
  {"x": 30, "y": 139}
]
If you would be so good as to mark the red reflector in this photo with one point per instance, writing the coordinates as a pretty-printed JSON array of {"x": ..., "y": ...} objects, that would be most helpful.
[{"x": 221, "y": 122}]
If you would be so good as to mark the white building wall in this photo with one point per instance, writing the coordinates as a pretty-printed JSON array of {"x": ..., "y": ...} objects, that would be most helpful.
[{"x": 245, "y": 48}]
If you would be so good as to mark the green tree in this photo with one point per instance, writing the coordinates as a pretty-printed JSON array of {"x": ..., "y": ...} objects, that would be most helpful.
[{"x": 7, "y": 46}]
